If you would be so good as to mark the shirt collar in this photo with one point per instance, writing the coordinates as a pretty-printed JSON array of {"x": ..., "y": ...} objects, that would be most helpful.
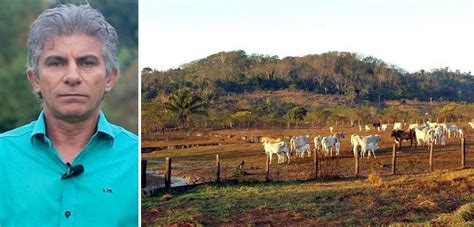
[
  {"x": 103, "y": 126},
  {"x": 39, "y": 127}
]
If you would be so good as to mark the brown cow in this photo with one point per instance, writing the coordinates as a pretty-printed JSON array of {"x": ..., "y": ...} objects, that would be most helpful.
[{"x": 400, "y": 135}]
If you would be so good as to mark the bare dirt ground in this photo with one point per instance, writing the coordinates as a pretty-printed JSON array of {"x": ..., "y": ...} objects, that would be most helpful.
[{"x": 197, "y": 162}]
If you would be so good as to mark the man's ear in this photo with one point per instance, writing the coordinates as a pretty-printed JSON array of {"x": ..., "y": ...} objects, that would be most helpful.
[
  {"x": 110, "y": 80},
  {"x": 34, "y": 80}
]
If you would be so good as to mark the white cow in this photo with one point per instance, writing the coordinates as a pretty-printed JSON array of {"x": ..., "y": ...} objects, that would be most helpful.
[
  {"x": 298, "y": 141},
  {"x": 301, "y": 150},
  {"x": 397, "y": 126},
  {"x": 360, "y": 128},
  {"x": 281, "y": 149},
  {"x": 453, "y": 129},
  {"x": 367, "y": 144},
  {"x": 331, "y": 129},
  {"x": 318, "y": 143},
  {"x": 371, "y": 147},
  {"x": 355, "y": 142},
  {"x": 425, "y": 135},
  {"x": 383, "y": 127},
  {"x": 471, "y": 124},
  {"x": 332, "y": 142}
]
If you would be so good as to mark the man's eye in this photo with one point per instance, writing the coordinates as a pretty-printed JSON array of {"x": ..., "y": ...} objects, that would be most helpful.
[
  {"x": 88, "y": 63},
  {"x": 55, "y": 63}
]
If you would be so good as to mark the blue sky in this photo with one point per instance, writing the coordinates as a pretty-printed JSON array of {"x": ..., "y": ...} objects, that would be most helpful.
[{"x": 412, "y": 34}]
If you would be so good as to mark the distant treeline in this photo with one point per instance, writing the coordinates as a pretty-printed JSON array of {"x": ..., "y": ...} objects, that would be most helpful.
[{"x": 341, "y": 73}]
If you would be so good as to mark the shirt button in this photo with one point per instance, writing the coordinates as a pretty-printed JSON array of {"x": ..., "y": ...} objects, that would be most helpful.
[{"x": 67, "y": 213}]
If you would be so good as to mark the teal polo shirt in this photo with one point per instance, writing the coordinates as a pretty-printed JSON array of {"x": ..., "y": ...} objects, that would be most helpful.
[{"x": 32, "y": 192}]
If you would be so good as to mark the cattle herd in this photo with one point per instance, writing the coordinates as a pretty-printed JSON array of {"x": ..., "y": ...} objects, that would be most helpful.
[{"x": 416, "y": 134}]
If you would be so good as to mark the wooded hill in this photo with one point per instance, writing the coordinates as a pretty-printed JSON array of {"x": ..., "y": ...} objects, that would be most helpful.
[
  {"x": 314, "y": 89},
  {"x": 341, "y": 73}
]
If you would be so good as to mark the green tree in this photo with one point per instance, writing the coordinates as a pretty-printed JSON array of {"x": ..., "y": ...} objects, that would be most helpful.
[
  {"x": 18, "y": 104},
  {"x": 297, "y": 113},
  {"x": 184, "y": 104}
]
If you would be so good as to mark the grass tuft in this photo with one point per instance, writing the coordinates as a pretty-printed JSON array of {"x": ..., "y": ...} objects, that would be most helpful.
[{"x": 375, "y": 179}]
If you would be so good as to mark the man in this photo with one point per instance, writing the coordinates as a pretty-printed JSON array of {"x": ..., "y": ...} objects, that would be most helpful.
[{"x": 70, "y": 167}]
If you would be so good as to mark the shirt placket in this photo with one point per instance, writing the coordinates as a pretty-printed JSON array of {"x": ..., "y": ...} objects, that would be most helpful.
[
  {"x": 69, "y": 193},
  {"x": 68, "y": 202},
  {"x": 67, "y": 212}
]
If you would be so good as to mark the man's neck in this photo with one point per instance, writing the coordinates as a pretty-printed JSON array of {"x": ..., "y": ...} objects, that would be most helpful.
[{"x": 70, "y": 137}]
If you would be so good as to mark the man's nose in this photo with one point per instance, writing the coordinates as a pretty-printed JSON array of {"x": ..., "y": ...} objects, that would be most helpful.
[{"x": 73, "y": 76}]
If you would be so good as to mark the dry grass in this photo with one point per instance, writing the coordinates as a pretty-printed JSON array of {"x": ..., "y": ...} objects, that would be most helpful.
[
  {"x": 412, "y": 196},
  {"x": 375, "y": 179},
  {"x": 425, "y": 198}
]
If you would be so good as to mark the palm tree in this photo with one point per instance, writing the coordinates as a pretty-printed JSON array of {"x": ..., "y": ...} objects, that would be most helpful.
[{"x": 184, "y": 104}]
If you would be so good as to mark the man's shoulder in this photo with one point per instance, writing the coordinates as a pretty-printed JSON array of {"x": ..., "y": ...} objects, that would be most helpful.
[{"x": 21, "y": 131}]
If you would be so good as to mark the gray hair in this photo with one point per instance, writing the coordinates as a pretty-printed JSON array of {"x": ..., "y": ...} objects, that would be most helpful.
[{"x": 69, "y": 19}]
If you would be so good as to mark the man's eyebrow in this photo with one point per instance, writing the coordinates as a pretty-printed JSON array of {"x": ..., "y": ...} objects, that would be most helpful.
[
  {"x": 54, "y": 57},
  {"x": 88, "y": 56}
]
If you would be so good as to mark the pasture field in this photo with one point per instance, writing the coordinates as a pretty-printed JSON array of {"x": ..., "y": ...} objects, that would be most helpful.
[{"x": 413, "y": 195}]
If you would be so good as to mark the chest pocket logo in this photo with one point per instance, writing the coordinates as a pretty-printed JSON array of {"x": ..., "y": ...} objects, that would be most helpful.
[{"x": 106, "y": 190}]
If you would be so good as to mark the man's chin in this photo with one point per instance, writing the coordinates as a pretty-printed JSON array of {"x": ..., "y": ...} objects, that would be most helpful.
[{"x": 75, "y": 115}]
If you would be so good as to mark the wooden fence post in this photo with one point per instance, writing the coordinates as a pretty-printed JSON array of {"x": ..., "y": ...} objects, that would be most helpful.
[
  {"x": 431, "y": 157},
  {"x": 267, "y": 169},
  {"x": 394, "y": 158},
  {"x": 356, "y": 156},
  {"x": 143, "y": 175},
  {"x": 315, "y": 157},
  {"x": 168, "y": 173},
  {"x": 463, "y": 153},
  {"x": 218, "y": 169}
]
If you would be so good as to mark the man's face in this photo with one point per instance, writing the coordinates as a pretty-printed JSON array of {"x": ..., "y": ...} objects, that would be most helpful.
[{"x": 72, "y": 77}]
